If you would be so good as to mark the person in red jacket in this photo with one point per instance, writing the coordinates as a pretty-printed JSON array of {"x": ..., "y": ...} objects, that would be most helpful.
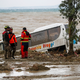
[
  {"x": 25, "y": 37},
  {"x": 12, "y": 42}
]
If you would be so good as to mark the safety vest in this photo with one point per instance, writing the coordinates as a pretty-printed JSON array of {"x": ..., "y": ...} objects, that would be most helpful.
[
  {"x": 25, "y": 37},
  {"x": 12, "y": 38}
]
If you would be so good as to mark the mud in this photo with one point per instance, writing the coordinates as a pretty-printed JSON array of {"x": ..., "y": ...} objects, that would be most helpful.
[
  {"x": 40, "y": 66},
  {"x": 37, "y": 67}
]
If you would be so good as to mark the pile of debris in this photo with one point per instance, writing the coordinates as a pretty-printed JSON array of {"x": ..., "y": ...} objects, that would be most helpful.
[
  {"x": 37, "y": 67},
  {"x": 54, "y": 56}
]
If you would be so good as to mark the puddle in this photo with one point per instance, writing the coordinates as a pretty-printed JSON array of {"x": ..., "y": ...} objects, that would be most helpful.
[
  {"x": 64, "y": 69},
  {"x": 60, "y": 78},
  {"x": 60, "y": 70},
  {"x": 2, "y": 62}
]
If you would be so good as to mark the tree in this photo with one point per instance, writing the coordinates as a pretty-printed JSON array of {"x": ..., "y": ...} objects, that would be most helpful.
[{"x": 70, "y": 9}]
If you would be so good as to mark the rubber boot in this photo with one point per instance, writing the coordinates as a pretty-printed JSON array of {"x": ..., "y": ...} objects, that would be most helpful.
[
  {"x": 13, "y": 55},
  {"x": 26, "y": 54}
]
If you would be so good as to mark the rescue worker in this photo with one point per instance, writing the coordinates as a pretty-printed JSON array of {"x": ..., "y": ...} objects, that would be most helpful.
[
  {"x": 6, "y": 41},
  {"x": 25, "y": 37},
  {"x": 6, "y": 29},
  {"x": 12, "y": 43}
]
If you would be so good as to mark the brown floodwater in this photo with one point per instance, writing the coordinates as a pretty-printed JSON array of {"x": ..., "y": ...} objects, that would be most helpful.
[{"x": 30, "y": 20}]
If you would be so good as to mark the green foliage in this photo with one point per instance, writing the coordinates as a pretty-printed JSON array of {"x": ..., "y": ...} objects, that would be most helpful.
[{"x": 70, "y": 9}]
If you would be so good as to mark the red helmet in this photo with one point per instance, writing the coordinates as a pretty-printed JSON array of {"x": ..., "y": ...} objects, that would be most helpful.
[{"x": 11, "y": 28}]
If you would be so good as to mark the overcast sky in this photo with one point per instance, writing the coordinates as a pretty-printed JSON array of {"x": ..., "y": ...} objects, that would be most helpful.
[{"x": 28, "y": 3}]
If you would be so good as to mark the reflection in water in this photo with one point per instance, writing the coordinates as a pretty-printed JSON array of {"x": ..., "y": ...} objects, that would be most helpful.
[
  {"x": 1, "y": 62},
  {"x": 60, "y": 78},
  {"x": 2, "y": 74},
  {"x": 59, "y": 70}
]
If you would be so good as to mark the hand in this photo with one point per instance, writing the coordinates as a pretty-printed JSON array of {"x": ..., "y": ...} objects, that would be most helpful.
[
  {"x": 16, "y": 43},
  {"x": 9, "y": 45}
]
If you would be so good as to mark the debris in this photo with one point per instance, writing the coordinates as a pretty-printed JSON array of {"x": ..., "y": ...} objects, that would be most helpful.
[
  {"x": 76, "y": 54},
  {"x": 37, "y": 67}
]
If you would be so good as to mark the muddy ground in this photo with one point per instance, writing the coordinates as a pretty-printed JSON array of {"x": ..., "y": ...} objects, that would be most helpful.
[{"x": 36, "y": 62}]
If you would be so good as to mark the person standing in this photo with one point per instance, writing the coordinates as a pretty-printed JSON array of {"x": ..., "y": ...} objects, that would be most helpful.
[
  {"x": 6, "y": 41},
  {"x": 6, "y": 29},
  {"x": 25, "y": 37},
  {"x": 12, "y": 43}
]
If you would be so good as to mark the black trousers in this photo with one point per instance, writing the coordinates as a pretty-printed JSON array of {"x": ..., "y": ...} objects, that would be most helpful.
[{"x": 26, "y": 47}]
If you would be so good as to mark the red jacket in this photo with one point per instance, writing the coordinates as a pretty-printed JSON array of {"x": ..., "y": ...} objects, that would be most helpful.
[
  {"x": 25, "y": 36},
  {"x": 12, "y": 38},
  {"x": 4, "y": 32}
]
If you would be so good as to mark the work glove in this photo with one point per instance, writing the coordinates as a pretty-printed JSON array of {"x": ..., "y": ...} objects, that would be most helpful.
[{"x": 16, "y": 44}]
